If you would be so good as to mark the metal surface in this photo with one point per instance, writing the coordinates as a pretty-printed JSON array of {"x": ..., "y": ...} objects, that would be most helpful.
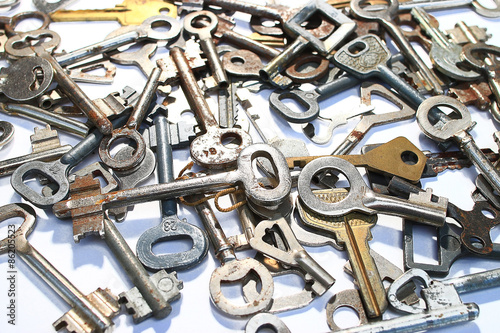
[
  {"x": 6, "y": 133},
  {"x": 265, "y": 320},
  {"x": 50, "y": 6}
]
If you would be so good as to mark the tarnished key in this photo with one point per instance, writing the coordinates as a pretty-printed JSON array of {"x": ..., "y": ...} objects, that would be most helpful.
[
  {"x": 171, "y": 226},
  {"x": 430, "y": 5},
  {"x": 457, "y": 130},
  {"x": 91, "y": 313},
  {"x": 353, "y": 231},
  {"x": 6, "y": 133},
  {"x": 204, "y": 34}
]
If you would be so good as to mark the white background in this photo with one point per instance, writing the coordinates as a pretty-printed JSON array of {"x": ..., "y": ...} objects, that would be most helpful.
[{"x": 90, "y": 264}]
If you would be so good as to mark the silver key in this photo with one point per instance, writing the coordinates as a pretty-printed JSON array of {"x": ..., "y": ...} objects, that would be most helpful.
[
  {"x": 6, "y": 133},
  {"x": 457, "y": 130},
  {"x": 266, "y": 321},
  {"x": 89, "y": 313},
  {"x": 447, "y": 4}
]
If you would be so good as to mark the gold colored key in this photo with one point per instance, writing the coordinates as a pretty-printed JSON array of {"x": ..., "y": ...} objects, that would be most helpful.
[
  {"x": 129, "y": 12},
  {"x": 398, "y": 157},
  {"x": 353, "y": 232}
]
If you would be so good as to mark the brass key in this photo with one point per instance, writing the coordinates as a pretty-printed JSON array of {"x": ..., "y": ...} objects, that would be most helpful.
[
  {"x": 129, "y": 12},
  {"x": 353, "y": 231}
]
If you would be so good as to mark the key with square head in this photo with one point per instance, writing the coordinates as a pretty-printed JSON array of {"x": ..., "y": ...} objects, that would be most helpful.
[
  {"x": 457, "y": 130},
  {"x": 171, "y": 227},
  {"x": 129, "y": 12},
  {"x": 444, "y": 54},
  {"x": 204, "y": 33},
  {"x": 208, "y": 149},
  {"x": 91, "y": 313},
  {"x": 385, "y": 17},
  {"x": 353, "y": 231}
]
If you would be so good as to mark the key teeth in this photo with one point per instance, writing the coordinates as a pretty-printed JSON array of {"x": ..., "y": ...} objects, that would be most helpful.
[
  {"x": 427, "y": 197},
  {"x": 168, "y": 285}
]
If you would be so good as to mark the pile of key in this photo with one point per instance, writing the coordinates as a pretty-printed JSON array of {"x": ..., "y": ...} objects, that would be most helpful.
[{"x": 232, "y": 162}]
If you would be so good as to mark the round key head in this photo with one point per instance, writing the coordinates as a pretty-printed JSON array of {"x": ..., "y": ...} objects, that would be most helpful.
[
  {"x": 361, "y": 9},
  {"x": 153, "y": 22},
  {"x": 452, "y": 127},
  {"x": 487, "y": 11},
  {"x": 115, "y": 162},
  {"x": 17, "y": 210},
  {"x": 266, "y": 320},
  {"x": 242, "y": 63},
  {"x": 349, "y": 298},
  {"x": 473, "y": 55},
  {"x": 18, "y": 18},
  {"x": 201, "y": 23},
  {"x": 6, "y": 133}
]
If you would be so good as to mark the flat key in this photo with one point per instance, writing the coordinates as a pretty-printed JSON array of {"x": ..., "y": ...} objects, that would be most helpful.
[
  {"x": 91, "y": 313},
  {"x": 385, "y": 17},
  {"x": 430, "y": 5},
  {"x": 6, "y": 133},
  {"x": 457, "y": 130}
]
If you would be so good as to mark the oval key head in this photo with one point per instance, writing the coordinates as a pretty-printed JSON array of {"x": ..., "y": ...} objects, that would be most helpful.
[
  {"x": 360, "y": 9},
  {"x": 194, "y": 27},
  {"x": 19, "y": 46},
  {"x": 115, "y": 162},
  {"x": 17, "y": 210},
  {"x": 452, "y": 127},
  {"x": 471, "y": 55},
  {"x": 149, "y": 25},
  {"x": 307, "y": 99},
  {"x": 6, "y": 133},
  {"x": 242, "y": 63}
]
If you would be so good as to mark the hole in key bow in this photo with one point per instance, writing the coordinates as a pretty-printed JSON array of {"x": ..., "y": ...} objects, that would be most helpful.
[
  {"x": 178, "y": 245},
  {"x": 409, "y": 157},
  {"x": 346, "y": 317}
]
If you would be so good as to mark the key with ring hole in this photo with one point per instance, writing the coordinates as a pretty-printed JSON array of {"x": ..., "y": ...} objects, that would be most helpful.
[
  {"x": 430, "y": 5},
  {"x": 418, "y": 207},
  {"x": 232, "y": 269},
  {"x": 19, "y": 45},
  {"x": 371, "y": 120},
  {"x": 353, "y": 231},
  {"x": 385, "y": 17},
  {"x": 457, "y": 131},
  {"x": 203, "y": 31},
  {"x": 208, "y": 149},
  {"x": 171, "y": 227},
  {"x": 6, "y": 133},
  {"x": 56, "y": 172},
  {"x": 90, "y": 313},
  {"x": 270, "y": 198},
  {"x": 130, "y": 129},
  {"x": 266, "y": 321}
]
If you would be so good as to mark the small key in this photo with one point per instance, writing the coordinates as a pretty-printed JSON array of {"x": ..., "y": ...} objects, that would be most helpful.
[
  {"x": 207, "y": 150},
  {"x": 353, "y": 231},
  {"x": 129, "y": 12},
  {"x": 56, "y": 171},
  {"x": 385, "y": 17},
  {"x": 457, "y": 130},
  {"x": 91, "y": 313},
  {"x": 204, "y": 34},
  {"x": 6, "y": 133},
  {"x": 444, "y": 55},
  {"x": 371, "y": 120},
  {"x": 171, "y": 227}
]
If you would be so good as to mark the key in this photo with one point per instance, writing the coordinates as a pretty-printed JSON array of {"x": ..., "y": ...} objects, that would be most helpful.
[
  {"x": 227, "y": 106},
  {"x": 19, "y": 45},
  {"x": 6, "y": 133},
  {"x": 419, "y": 208},
  {"x": 56, "y": 171},
  {"x": 171, "y": 226},
  {"x": 130, "y": 130},
  {"x": 371, "y": 120},
  {"x": 473, "y": 93},
  {"x": 270, "y": 198},
  {"x": 50, "y": 6},
  {"x": 353, "y": 231},
  {"x": 204, "y": 34},
  {"x": 232, "y": 269},
  {"x": 45, "y": 145},
  {"x": 129, "y": 12},
  {"x": 91, "y": 313},
  {"x": 444, "y": 55},
  {"x": 385, "y": 17},
  {"x": 266, "y": 320},
  {"x": 430, "y": 5},
  {"x": 207, "y": 150},
  {"x": 457, "y": 131}
]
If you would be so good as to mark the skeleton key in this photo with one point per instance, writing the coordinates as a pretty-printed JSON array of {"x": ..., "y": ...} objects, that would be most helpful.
[
  {"x": 447, "y": 4},
  {"x": 129, "y": 12},
  {"x": 232, "y": 269},
  {"x": 419, "y": 207},
  {"x": 171, "y": 226},
  {"x": 445, "y": 55},
  {"x": 385, "y": 17},
  {"x": 151, "y": 296},
  {"x": 244, "y": 175},
  {"x": 207, "y": 149},
  {"x": 370, "y": 120},
  {"x": 353, "y": 230},
  {"x": 91, "y": 313},
  {"x": 204, "y": 34},
  {"x": 56, "y": 171},
  {"x": 130, "y": 129},
  {"x": 19, "y": 45},
  {"x": 457, "y": 130}
]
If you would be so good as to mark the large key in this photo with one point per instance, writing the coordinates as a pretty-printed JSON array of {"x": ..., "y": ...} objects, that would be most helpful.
[
  {"x": 361, "y": 199},
  {"x": 57, "y": 171},
  {"x": 457, "y": 130},
  {"x": 353, "y": 231},
  {"x": 270, "y": 198},
  {"x": 430, "y": 5},
  {"x": 232, "y": 269},
  {"x": 444, "y": 55},
  {"x": 208, "y": 149},
  {"x": 171, "y": 226},
  {"x": 91, "y": 313}
]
